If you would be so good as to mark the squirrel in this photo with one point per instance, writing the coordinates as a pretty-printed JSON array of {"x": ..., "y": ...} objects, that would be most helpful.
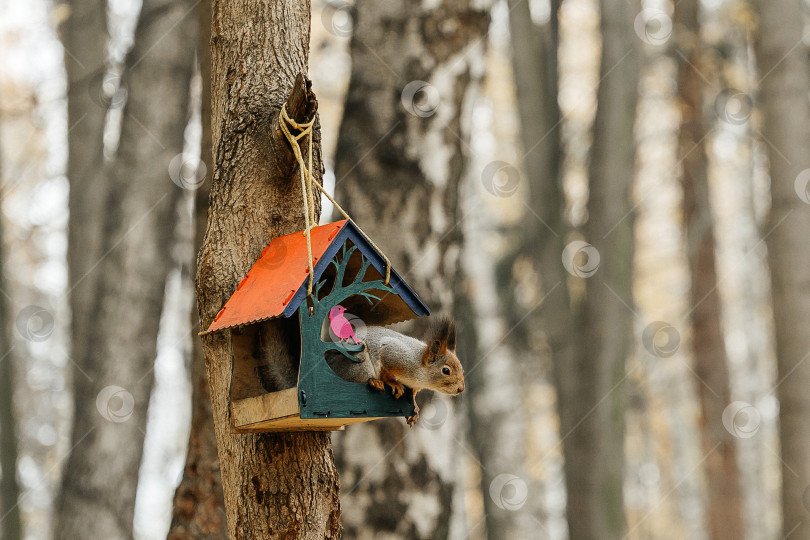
[{"x": 397, "y": 360}]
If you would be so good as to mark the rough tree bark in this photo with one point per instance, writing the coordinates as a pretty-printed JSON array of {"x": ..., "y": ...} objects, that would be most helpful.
[
  {"x": 84, "y": 36},
  {"x": 199, "y": 507},
  {"x": 111, "y": 390},
  {"x": 592, "y": 424},
  {"x": 9, "y": 488},
  {"x": 275, "y": 485},
  {"x": 784, "y": 80},
  {"x": 398, "y": 166},
  {"x": 725, "y": 520}
]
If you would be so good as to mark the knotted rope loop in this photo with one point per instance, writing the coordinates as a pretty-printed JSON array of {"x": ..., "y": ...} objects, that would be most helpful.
[{"x": 307, "y": 180}]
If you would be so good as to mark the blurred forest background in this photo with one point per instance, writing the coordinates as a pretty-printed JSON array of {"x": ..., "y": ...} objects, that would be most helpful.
[{"x": 617, "y": 197}]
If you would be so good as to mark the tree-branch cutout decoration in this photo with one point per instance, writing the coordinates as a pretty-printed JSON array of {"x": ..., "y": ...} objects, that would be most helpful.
[{"x": 320, "y": 308}]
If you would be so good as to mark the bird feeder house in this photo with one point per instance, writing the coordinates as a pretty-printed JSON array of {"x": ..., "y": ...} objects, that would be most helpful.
[{"x": 348, "y": 271}]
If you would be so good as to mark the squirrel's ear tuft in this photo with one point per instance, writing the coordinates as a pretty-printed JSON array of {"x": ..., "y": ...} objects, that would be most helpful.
[
  {"x": 451, "y": 336},
  {"x": 442, "y": 336}
]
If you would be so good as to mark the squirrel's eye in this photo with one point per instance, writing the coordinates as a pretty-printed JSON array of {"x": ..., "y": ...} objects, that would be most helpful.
[{"x": 446, "y": 370}]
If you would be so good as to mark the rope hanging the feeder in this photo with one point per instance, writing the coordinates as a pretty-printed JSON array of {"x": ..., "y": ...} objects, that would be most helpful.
[{"x": 307, "y": 180}]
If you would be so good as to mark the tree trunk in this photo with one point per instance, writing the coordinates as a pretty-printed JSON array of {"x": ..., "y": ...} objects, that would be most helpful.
[
  {"x": 510, "y": 369},
  {"x": 784, "y": 80},
  {"x": 84, "y": 35},
  {"x": 592, "y": 426},
  {"x": 275, "y": 484},
  {"x": 9, "y": 489},
  {"x": 399, "y": 164},
  {"x": 500, "y": 422},
  {"x": 711, "y": 365},
  {"x": 534, "y": 62},
  {"x": 114, "y": 377},
  {"x": 199, "y": 507}
]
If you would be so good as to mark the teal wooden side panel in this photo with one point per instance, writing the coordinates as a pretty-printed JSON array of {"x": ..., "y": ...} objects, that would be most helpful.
[{"x": 321, "y": 392}]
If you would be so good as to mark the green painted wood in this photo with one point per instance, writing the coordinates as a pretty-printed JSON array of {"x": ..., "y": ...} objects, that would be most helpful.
[{"x": 321, "y": 392}]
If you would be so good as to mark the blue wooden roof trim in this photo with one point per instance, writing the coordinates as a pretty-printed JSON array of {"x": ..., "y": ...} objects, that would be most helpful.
[{"x": 350, "y": 232}]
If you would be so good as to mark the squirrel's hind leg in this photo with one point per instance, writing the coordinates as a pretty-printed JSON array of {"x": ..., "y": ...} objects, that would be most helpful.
[{"x": 412, "y": 419}]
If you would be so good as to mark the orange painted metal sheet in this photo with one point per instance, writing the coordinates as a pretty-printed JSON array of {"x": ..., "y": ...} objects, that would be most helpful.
[{"x": 275, "y": 276}]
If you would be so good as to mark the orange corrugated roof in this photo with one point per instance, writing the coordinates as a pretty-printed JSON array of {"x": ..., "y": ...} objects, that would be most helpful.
[{"x": 274, "y": 278}]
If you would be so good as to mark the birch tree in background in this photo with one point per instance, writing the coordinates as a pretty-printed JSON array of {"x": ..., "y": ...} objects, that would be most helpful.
[
  {"x": 592, "y": 393},
  {"x": 743, "y": 266},
  {"x": 782, "y": 91},
  {"x": 503, "y": 378},
  {"x": 113, "y": 379},
  {"x": 585, "y": 311},
  {"x": 399, "y": 164},
  {"x": 711, "y": 364}
]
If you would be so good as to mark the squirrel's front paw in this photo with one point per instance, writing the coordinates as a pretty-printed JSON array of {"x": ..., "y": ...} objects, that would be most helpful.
[
  {"x": 397, "y": 389},
  {"x": 376, "y": 384}
]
